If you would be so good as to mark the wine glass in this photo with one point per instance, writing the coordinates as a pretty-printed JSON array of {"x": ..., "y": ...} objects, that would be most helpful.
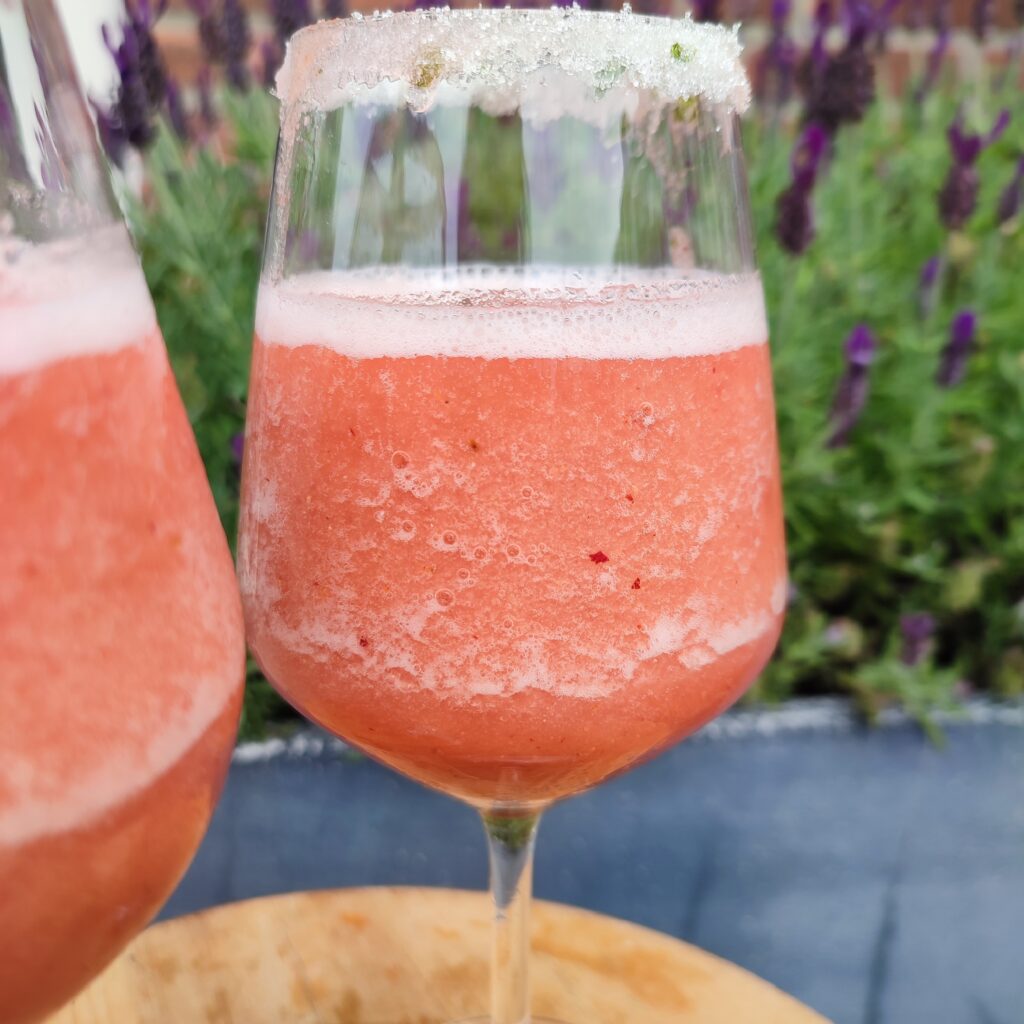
[
  {"x": 121, "y": 646},
  {"x": 511, "y": 513}
]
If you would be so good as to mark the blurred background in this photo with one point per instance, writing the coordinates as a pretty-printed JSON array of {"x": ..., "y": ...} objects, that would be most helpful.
[{"x": 855, "y": 831}]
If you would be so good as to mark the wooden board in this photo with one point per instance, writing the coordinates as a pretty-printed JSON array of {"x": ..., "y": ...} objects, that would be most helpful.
[{"x": 412, "y": 956}]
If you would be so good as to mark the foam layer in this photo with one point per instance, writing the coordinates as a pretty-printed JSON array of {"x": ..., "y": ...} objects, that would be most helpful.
[
  {"x": 544, "y": 64},
  {"x": 502, "y": 315},
  {"x": 62, "y": 300}
]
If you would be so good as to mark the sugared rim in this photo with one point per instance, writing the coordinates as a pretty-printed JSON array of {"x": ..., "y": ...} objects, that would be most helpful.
[{"x": 503, "y": 60}]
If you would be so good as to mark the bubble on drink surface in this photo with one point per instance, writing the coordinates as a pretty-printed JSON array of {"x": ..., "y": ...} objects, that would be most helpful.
[
  {"x": 464, "y": 575},
  {"x": 512, "y": 551},
  {"x": 449, "y": 538},
  {"x": 399, "y": 460},
  {"x": 406, "y": 531},
  {"x": 480, "y": 554},
  {"x": 444, "y": 598}
]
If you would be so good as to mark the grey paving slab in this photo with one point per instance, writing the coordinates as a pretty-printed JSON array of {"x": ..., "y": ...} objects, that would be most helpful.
[{"x": 877, "y": 878}]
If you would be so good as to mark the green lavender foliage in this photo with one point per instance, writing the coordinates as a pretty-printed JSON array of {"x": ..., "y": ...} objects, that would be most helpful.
[{"x": 922, "y": 511}]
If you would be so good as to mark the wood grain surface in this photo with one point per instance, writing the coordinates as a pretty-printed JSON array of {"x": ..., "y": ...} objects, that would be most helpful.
[{"x": 411, "y": 956}]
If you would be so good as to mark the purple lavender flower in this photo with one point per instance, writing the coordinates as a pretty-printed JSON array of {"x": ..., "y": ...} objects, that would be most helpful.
[
  {"x": 982, "y": 17},
  {"x": 238, "y": 447},
  {"x": 142, "y": 80},
  {"x": 132, "y": 112},
  {"x": 289, "y": 16},
  {"x": 1010, "y": 200},
  {"x": 928, "y": 286},
  {"x": 176, "y": 111},
  {"x": 334, "y": 9},
  {"x": 852, "y": 391},
  {"x": 953, "y": 363},
  {"x": 776, "y": 70},
  {"x": 917, "y": 630},
  {"x": 142, "y": 15},
  {"x": 794, "y": 214},
  {"x": 959, "y": 194},
  {"x": 844, "y": 87}
]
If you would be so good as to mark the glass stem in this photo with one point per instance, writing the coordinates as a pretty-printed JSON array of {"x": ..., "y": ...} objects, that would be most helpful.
[{"x": 510, "y": 841}]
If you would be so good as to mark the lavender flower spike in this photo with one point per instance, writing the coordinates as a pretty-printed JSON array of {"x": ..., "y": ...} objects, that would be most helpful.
[
  {"x": 1010, "y": 200},
  {"x": 852, "y": 393},
  {"x": 794, "y": 214},
  {"x": 917, "y": 629},
  {"x": 132, "y": 113},
  {"x": 953, "y": 363},
  {"x": 959, "y": 195},
  {"x": 845, "y": 87},
  {"x": 334, "y": 9}
]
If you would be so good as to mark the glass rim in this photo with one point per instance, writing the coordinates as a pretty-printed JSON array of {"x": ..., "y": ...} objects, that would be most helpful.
[{"x": 494, "y": 57}]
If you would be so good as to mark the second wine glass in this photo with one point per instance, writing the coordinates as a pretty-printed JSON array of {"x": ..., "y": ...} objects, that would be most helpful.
[{"x": 511, "y": 514}]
